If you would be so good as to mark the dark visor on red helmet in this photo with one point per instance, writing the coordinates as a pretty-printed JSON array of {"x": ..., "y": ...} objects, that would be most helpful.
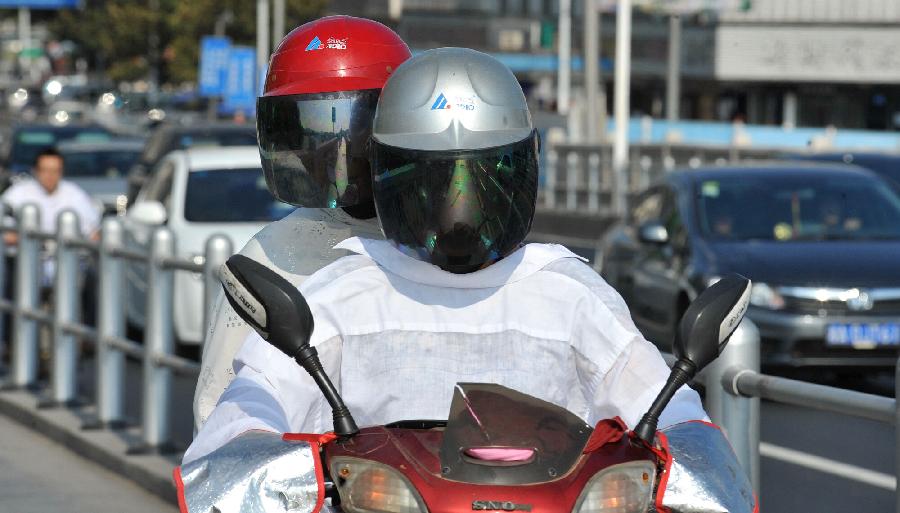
[{"x": 313, "y": 147}]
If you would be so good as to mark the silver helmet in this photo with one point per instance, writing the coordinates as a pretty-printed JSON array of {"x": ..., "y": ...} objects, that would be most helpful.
[{"x": 454, "y": 159}]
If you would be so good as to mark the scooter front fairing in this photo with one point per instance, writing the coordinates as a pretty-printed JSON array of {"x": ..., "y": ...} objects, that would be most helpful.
[
  {"x": 439, "y": 467},
  {"x": 501, "y": 450}
]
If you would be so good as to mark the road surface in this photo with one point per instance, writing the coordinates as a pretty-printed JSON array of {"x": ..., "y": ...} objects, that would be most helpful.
[{"x": 40, "y": 476}]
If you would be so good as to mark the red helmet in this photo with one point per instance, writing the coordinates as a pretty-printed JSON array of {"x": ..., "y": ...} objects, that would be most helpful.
[{"x": 315, "y": 115}]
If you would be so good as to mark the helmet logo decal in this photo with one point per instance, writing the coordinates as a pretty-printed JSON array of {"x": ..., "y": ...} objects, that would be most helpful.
[
  {"x": 460, "y": 102},
  {"x": 333, "y": 44},
  {"x": 315, "y": 44},
  {"x": 440, "y": 103},
  {"x": 337, "y": 44}
]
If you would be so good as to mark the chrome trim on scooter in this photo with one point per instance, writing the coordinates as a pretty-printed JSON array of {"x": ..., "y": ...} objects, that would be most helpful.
[
  {"x": 256, "y": 472},
  {"x": 705, "y": 476}
]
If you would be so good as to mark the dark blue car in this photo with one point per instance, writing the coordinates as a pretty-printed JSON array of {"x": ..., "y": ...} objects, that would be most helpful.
[{"x": 821, "y": 243}]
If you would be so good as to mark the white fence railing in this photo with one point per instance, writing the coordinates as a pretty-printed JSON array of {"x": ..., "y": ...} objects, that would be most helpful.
[
  {"x": 111, "y": 345},
  {"x": 580, "y": 178}
]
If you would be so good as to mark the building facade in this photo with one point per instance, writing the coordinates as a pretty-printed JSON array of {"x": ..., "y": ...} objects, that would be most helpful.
[{"x": 788, "y": 62}]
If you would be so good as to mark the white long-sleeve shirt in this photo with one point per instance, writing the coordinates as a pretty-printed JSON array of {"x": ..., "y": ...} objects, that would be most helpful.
[
  {"x": 396, "y": 334},
  {"x": 295, "y": 247},
  {"x": 67, "y": 196}
]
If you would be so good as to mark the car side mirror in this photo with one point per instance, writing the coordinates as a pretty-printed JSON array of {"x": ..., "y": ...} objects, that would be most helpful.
[
  {"x": 702, "y": 334},
  {"x": 280, "y": 314},
  {"x": 149, "y": 212},
  {"x": 653, "y": 232}
]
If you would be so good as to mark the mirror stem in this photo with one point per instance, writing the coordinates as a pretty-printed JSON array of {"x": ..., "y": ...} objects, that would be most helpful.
[
  {"x": 344, "y": 425},
  {"x": 682, "y": 372}
]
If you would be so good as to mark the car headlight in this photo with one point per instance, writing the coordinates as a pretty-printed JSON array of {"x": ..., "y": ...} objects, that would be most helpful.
[
  {"x": 368, "y": 487},
  {"x": 624, "y": 488},
  {"x": 764, "y": 296}
]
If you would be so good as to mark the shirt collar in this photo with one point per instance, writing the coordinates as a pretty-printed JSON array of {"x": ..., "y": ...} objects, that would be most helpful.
[
  {"x": 42, "y": 191},
  {"x": 522, "y": 263}
]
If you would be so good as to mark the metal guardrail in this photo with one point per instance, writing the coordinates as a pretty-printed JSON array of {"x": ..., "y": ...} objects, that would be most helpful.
[
  {"x": 580, "y": 178},
  {"x": 157, "y": 351},
  {"x": 734, "y": 387}
]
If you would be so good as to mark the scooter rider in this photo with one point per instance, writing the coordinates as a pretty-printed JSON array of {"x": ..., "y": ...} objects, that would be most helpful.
[
  {"x": 314, "y": 120},
  {"x": 453, "y": 294}
]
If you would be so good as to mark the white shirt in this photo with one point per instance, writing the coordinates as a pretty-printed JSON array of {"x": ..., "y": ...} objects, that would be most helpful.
[
  {"x": 67, "y": 196},
  {"x": 396, "y": 334},
  {"x": 295, "y": 246}
]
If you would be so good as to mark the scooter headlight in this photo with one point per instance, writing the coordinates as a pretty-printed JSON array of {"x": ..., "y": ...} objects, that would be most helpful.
[
  {"x": 624, "y": 488},
  {"x": 368, "y": 487}
]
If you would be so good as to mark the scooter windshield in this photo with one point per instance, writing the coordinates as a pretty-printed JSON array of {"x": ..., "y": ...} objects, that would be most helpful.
[{"x": 500, "y": 436}]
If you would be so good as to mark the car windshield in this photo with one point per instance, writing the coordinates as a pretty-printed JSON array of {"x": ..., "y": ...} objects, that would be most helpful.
[
  {"x": 231, "y": 196},
  {"x": 27, "y": 143},
  {"x": 785, "y": 208},
  {"x": 99, "y": 163}
]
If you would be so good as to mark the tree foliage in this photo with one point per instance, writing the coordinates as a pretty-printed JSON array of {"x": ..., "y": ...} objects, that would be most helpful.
[
  {"x": 115, "y": 35},
  {"x": 198, "y": 17}
]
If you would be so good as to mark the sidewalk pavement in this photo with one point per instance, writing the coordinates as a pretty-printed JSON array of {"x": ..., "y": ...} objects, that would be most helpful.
[{"x": 109, "y": 449}]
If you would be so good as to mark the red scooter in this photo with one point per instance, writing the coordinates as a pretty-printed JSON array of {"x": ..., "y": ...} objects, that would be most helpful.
[{"x": 500, "y": 450}]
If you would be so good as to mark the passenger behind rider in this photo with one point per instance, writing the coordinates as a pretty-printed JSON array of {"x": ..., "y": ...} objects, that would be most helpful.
[
  {"x": 315, "y": 94},
  {"x": 453, "y": 295}
]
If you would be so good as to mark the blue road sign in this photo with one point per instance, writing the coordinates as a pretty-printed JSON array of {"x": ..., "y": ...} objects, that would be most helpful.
[
  {"x": 40, "y": 4},
  {"x": 213, "y": 73},
  {"x": 261, "y": 84},
  {"x": 240, "y": 88}
]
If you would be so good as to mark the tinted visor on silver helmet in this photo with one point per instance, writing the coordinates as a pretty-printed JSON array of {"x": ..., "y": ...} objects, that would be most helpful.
[
  {"x": 458, "y": 209},
  {"x": 313, "y": 147}
]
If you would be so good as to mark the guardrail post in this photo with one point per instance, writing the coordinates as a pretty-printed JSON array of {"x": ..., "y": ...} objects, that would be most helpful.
[
  {"x": 25, "y": 331},
  {"x": 738, "y": 416},
  {"x": 635, "y": 178},
  {"x": 897, "y": 432},
  {"x": 593, "y": 170},
  {"x": 550, "y": 182},
  {"x": 110, "y": 362},
  {"x": 573, "y": 179},
  {"x": 65, "y": 310},
  {"x": 218, "y": 249},
  {"x": 3, "y": 343},
  {"x": 158, "y": 340}
]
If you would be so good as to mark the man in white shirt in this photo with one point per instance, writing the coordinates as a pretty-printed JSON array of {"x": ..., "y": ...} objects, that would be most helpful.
[
  {"x": 452, "y": 295},
  {"x": 52, "y": 195}
]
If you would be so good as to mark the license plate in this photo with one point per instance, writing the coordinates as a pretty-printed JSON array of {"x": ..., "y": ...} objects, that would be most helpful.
[{"x": 863, "y": 336}]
